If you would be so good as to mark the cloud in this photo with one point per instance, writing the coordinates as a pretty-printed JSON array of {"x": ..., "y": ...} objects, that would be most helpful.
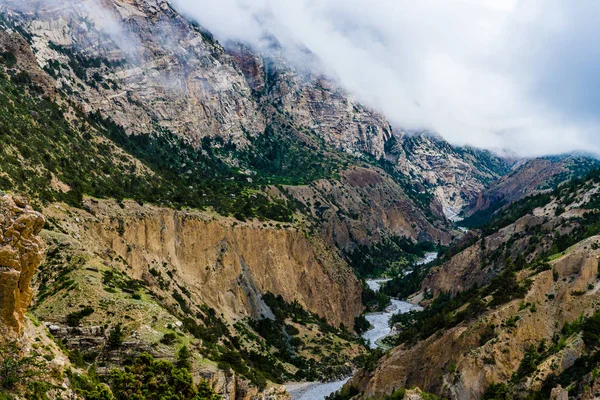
[{"x": 508, "y": 75}]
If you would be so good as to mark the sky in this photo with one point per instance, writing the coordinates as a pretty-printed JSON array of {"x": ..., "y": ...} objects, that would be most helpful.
[{"x": 519, "y": 77}]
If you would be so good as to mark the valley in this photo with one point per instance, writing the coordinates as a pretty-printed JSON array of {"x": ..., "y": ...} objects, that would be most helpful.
[
  {"x": 186, "y": 219},
  {"x": 379, "y": 329}
]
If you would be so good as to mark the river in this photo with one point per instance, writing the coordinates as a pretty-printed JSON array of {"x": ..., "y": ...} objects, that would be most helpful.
[{"x": 380, "y": 323}]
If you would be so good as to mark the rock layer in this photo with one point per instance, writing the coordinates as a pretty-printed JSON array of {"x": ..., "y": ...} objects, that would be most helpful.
[
  {"x": 458, "y": 365},
  {"x": 225, "y": 264},
  {"x": 21, "y": 252}
]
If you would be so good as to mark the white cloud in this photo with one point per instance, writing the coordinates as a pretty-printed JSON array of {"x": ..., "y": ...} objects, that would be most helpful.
[{"x": 502, "y": 74}]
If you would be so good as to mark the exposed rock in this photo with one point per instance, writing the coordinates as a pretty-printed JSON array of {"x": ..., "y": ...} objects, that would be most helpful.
[
  {"x": 364, "y": 207},
  {"x": 531, "y": 177},
  {"x": 224, "y": 263},
  {"x": 231, "y": 387},
  {"x": 26, "y": 60},
  {"x": 558, "y": 393},
  {"x": 21, "y": 252},
  {"x": 314, "y": 102},
  {"x": 428, "y": 363},
  {"x": 160, "y": 70},
  {"x": 454, "y": 175},
  {"x": 413, "y": 394}
]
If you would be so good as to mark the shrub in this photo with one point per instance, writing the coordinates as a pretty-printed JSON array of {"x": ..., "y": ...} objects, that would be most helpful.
[
  {"x": 116, "y": 336},
  {"x": 168, "y": 338},
  {"x": 74, "y": 318}
]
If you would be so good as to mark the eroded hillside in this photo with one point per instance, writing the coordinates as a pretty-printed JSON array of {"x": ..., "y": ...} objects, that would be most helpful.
[{"x": 511, "y": 314}]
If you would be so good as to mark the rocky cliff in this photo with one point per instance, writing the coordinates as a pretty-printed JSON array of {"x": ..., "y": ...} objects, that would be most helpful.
[
  {"x": 455, "y": 176},
  {"x": 223, "y": 263},
  {"x": 515, "y": 311},
  {"x": 21, "y": 252},
  {"x": 364, "y": 206},
  {"x": 169, "y": 277},
  {"x": 462, "y": 362},
  {"x": 150, "y": 70}
]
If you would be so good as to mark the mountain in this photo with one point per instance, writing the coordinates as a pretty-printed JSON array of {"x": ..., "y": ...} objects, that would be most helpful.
[
  {"x": 208, "y": 207},
  {"x": 511, "y": 312},
  {"x": 527, "y": 178},
  {"x": 256, "y": 109}
]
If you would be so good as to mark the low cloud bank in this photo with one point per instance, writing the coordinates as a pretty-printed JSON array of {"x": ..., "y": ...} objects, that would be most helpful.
[{"x": 515, "y": 77}]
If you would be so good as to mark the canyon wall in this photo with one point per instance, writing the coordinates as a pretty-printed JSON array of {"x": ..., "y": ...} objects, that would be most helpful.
[
  {"x": 21, "y": 252},
  {"x": 224, "y": 263}
]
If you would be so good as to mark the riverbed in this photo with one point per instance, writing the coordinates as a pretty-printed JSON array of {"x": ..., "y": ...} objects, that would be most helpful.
[{"x": 380, "y": 323}]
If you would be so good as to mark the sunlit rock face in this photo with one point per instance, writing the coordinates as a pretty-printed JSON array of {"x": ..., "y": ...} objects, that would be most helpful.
[{"x": 21, "y": 252}]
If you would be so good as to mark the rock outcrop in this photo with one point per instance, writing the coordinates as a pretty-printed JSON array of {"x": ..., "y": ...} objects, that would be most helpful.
[
  {"x": 454, "y": 175},
  {"x": 458, "y": 364},
  {"x": 224, "y": 263},
  {"x": 21, "y": 252},
  {"x": 364, "y": 206},
  {"x": 158, "y": 71},
  {"x": 231, "y": 387}
]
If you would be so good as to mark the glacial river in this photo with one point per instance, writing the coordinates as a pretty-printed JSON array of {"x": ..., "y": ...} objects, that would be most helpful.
[{"x": 380, "y": 322}]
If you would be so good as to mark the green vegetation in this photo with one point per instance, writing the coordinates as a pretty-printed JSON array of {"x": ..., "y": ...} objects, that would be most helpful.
[
  {"x": 39, "y": 144},
  {"x": 143, "y": 378},
  {"x": 191, "y": 177},
  {"x": 443, "y": 312},
  {"x": 572, "y": 170},
  {"x": 361, "y": 325},
  {"x": 589, "y": 328},
  {"x": 22, "y": 373},
  {"x": 374, "y": 301},
  {"x": 283, "y": 337},
  {"x": 345, "y": 393},
  {"x": 116, "y": 336},
  {"x": 497, "y": 392},
  {"x": 516, "y": 211},
  {"x": 390, "y": 257},
  {"x": 404, "y": 285},
  {"x": 349, "y": 392},
  {"x": 482, "y": 217},
  {"x": 74, "y": 318}
]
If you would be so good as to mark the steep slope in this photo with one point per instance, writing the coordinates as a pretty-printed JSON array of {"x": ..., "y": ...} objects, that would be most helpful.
[
  {"x": 527, "y": 178},
  {"x": 167, "y": 279},
  {"x": 108, "y": 57},
  {"x": 522, "y": 316},
  {"x": 364, "y": 206},
  {"x": 244, "y": 176},
  {"x": 463, "y": 361},
  {"x": 223, "y": 263},
  {"x": 53, "y": 151},
  {"x": 21, "y": 253},
  {"x": 455, "y": 176}
]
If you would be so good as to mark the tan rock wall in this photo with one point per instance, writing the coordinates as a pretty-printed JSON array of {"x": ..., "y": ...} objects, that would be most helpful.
[
  {"x": 21, "y": 252},
  {"x": 224, "y": 263},
  {"x": 455, "y": 364}
]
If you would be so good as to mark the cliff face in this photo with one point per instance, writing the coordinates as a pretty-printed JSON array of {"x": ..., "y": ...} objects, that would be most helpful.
[
  {"x": 454, "y": 175},
  {"x": 459, "y": 364},
  {"x": 314, "y": 102},
  {"x": 225, "y": 264},
  {"x": 523, "y": 309},
  {"x": 529, "y": 178},
  {"x": 21, "y": 252},
  {"x": 138, "y": 77},
  {"x": 149, "y": 69},
  {"x": 199, "y": 278},
  {"x": 363, "y": 207}
]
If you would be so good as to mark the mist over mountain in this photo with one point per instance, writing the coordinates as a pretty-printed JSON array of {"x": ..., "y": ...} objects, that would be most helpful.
[
  {"x": 270, "y": 200},
  {"x": 514, "y": 77}
]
